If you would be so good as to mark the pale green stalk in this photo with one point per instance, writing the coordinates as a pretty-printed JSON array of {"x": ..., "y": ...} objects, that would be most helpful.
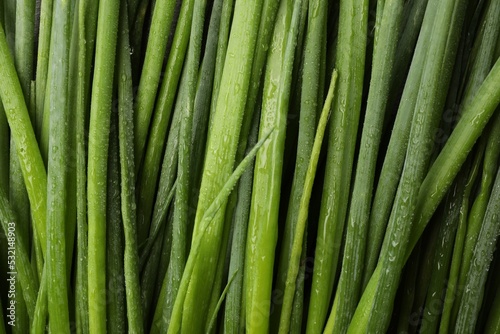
[{"x": 263, "y": 222}]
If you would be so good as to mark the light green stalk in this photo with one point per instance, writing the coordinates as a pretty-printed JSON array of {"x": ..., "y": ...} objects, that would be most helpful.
[{"x": 102, "y": 90}]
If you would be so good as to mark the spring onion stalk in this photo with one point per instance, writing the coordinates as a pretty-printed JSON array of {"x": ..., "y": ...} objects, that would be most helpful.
[
  {"x": 263, "y": 221},
  {"x": 184, "y": 171},
  {"x": 161, "y": 118},
  {"x": 440, "y": 265},
  {"x": 478, "y": 209},
  {"x": 127, "y": 173},
  {"x": 25, "y": 272},
  {"x": 350, "y": 281},
  {"x": 240, "y": 202},
  {"x": 22, "y": 132},
  {"x": 165, "y": 303},
  {"x": 38, "y": 325},
  {"x": 472, "y": 298},
  {"x": 181, "y": 206},
  {"x": 25, "y": 45},
  {"x": 221, "y": 149},
  {"x": 149, "y": 277},
  {"x": 206, "y": 221},
  {"x": 310, "y": 92},
  {"x": 102, "y": 90},
  {"x": 203, "y": 98},
  {"x": 458, "y": 245},
  {"x": 115, "y": 284},
  {"x": 220, "y": 277},
  {"x": 404, "y": 210},
  {"x": 440, "y": 176},
  {"x": 234, "y": 307},
  {"x": 222, "y": 42},
  {"x": 162, "y": 205},
  {"x": 298, "y": 239},
  {"x": 481, "y": 66},
  {"x": 23, "y": 58},
  {"x": 167, "y": 181},
  {"x": 406, "y": 47},
  {"x": 166, "y": 248},
  {"x": 42, "y": 63},
  {"x": 57, "y": 170},
  {"x": 425, "y": 269},
  {"x": 80, "y": 107},
  {"x": 213, "y": 318},
  {"x": 353, "y": 21},
  {"x": 396, "y": 150},
  {"x": 161, "y": 22},
  {"x": 9, "y": 23}
]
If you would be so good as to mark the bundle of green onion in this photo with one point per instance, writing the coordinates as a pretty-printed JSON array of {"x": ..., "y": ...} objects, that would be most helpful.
[{"x": 249, "y": 166}]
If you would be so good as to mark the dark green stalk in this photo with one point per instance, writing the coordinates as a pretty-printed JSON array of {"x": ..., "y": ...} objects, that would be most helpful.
[
  {"x": 478, "y": 209},
  {"x": 396, "y": 150},
  {"x": 406, "y": 47},
  {"x": 440, "y": 265},
  {"x": 181, "y": 207},
  {"x": 443, "y": 44},
  {"x": 102, "y": 91},
  {"x": 178, "y": 248},
  {"x": 166, "y": 190},
  {"x": 158, "y": 129},
  {"x": 25, "y": 46},
  {"x": 80, "y": 105},
  {"x": 459, "y": 241},
  {"x": 440, "y": 176},
  {"x": 10, "y": 23},
  {"x": 309, "y": 112},
  {"x": 471, "y": 301},
  {"x": 42, "y": 61},
  {"x": 166, "y": 186},
  {"x": 115, "y": 282},
  {"x": 350, "y": 281},
  {"x": 350, "y": 64},
  {"x": 149, "y": 277},
  {"x": 127, "y": 172},
  {"x": 203, "y": 98},
  {"x": 161, "y": 23},
  {"x": 57, "y": 178}
]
